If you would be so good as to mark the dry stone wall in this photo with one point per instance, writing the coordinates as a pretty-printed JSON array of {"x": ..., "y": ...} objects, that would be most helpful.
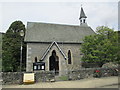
[{"x": 45, "y": 76}]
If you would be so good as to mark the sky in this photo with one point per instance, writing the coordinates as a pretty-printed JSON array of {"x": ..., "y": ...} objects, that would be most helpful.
[{"x": 59, "y": 12}]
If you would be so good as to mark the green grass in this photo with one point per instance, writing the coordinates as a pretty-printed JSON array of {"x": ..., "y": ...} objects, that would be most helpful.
[{"x": 64, "y": 78}]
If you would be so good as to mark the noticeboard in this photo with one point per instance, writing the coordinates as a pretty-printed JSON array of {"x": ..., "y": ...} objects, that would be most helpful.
[{"x": 38, "y": 66}]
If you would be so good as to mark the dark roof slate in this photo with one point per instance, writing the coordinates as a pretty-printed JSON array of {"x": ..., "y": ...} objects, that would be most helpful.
[{"x": 45, "y": 32}]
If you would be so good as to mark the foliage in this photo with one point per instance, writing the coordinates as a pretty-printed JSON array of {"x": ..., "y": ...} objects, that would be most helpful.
[
  {"x": 11, "y": 47},
  {"x": 101, "y": 47},
  {"x": 0, "y": 51},
  {"x": 97, "y": 74},
  {"x": 118, "y": 53}
]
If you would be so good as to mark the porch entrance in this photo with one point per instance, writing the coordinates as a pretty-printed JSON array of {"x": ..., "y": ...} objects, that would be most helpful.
[{"x": 54, "y": 62}]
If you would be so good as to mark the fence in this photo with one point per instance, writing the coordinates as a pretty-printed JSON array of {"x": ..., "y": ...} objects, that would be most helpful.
[{"x": 46, "y": 76}]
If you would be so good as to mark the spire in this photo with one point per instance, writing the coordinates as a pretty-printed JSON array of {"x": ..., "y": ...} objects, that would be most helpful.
[
  {"x": 82, "y": 14},
  {"x": 82, "y": 18}
]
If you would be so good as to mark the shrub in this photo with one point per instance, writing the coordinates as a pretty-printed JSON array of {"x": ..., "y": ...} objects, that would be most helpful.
[{"x": 97, "y": 74}]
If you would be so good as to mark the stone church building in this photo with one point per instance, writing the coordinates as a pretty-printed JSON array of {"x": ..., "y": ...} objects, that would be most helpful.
[{"x": 55, "y": 47}]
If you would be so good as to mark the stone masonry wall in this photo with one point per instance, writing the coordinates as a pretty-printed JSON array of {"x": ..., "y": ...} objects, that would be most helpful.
[
  {"x": 12, "y": 77},
  {"x": 91, "y": 72},
  {"x": 44, "y": 76},
  {"x": 38, "y": 49}
]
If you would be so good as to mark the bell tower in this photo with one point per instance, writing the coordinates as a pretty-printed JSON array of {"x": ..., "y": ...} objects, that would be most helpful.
[{"x": 82, "y": 18}]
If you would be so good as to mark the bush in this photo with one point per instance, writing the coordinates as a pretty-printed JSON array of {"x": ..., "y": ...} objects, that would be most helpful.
[{"x": 97, "y": 74}]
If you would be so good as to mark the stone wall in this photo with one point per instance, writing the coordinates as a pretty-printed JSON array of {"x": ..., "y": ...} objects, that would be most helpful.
[
  {"x": 45, "y": 76},
  {"x": 38, "y": 49},
  {"x": 12, "y": 77},
  {"x": 17, "y": 77},
  {"x": 34, "y": 50},
  {"x": 91, "y": 73}
]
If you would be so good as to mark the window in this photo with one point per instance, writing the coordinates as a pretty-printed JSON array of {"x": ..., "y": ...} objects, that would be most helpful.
[
  {"x": 69, "y": 57},
  {"x": 35, "y": 59},
  {"x": 84, "y": 20},
  {"x": 81, "y": 21}
]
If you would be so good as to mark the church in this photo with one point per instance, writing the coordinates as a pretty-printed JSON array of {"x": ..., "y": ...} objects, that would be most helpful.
[{"x": 55, "y": 47}]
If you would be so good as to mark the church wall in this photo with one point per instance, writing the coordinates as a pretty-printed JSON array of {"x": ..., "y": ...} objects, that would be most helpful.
[
  {"x": 34, "y": 50},
  {"x": 38, "y": 49},
  {"x": 62, "y": 61},
  {"x": 75, "y": 54}
]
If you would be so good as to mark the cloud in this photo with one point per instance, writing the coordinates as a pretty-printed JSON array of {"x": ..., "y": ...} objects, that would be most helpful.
[
  {"x": 62, "y": 13},
  {"x": 103, "y": 14},
  {"x": 59, "y": 0}
]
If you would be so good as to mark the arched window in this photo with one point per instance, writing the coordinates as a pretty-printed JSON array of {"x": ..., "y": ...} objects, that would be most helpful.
[
  {"x": 69, "y": 57},
  {"x": 81, "y": 21},
  {"x": 84, "y": 21},
  {"x": 35, "y": 59}
]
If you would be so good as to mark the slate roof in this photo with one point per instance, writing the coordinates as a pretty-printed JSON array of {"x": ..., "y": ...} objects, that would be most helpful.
[
  {"x": 46, "y": 32},
  {"x": 82, "y": 14}
]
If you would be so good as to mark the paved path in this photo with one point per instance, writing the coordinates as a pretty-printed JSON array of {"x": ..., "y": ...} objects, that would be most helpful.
[{"x": 106, "y": 82}]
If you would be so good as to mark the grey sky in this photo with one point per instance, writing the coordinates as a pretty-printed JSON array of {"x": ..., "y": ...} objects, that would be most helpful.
[{"x": 98, "y": 13}]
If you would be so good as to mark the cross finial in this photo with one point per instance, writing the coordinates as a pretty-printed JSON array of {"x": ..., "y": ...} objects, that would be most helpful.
[{"x": 81, "y": 5}]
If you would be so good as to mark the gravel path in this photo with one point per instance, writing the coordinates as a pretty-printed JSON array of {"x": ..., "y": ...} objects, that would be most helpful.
[{"x": 106, "y": 82}]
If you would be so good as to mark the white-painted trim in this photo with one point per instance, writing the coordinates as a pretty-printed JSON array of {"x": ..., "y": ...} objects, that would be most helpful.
[{"x": 54, "y": 42}]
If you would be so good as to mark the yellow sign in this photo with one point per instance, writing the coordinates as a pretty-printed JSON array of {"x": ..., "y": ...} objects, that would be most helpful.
[{"x": 28, "y": 78}]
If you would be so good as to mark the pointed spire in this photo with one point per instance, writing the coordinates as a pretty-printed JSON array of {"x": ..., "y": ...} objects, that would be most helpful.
[
  {"x": 82, "y": 14},
  {"x": 82, "y": 18}
]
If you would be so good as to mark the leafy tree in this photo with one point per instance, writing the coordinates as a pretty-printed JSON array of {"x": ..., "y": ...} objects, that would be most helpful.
[
  {"x": 118, "y": 53},
  {"x": 11, "y": 47},
  {"x": 1, "y": 51},
  {"x": 101, "y": 47}
]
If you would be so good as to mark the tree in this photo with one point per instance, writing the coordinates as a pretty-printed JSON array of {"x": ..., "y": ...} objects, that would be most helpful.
[
  {"x": 118, "y": 53},
  {"x": 1, "y": 51},
  {"x": 11, "y": 47},
  {"x": 101, "y": 47}
]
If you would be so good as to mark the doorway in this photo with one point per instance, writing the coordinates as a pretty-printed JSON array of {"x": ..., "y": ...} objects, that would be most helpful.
[{"x": 54, "y": 62}]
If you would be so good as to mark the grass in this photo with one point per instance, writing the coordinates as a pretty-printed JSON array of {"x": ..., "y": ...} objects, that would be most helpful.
[{"x": 63, "y": 78}]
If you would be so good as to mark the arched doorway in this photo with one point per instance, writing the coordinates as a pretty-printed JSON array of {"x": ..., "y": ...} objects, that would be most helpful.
[{"x": 54, "y": 62}]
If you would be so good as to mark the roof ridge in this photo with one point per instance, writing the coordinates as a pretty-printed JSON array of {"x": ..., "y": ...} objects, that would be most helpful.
[{"x": 62, "y": 24}]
